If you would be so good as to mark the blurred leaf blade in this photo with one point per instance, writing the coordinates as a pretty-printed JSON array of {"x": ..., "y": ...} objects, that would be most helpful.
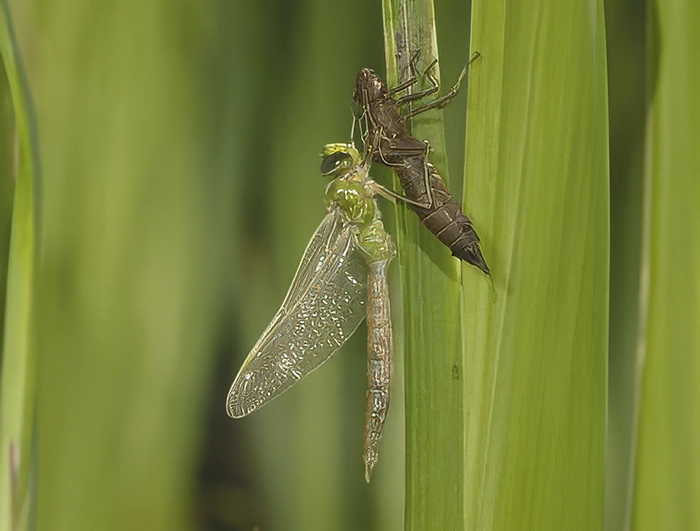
[
  {"x": 536, "y": 344},
  {"x": 625, "y": 28},
  {"x": 131, "y": 231},
  {"x": 668, "y": 442},
  {"x": 18, "y": 386}
]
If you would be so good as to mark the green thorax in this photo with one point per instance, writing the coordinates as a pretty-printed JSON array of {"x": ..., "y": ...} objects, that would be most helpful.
[
  {"x": 351, "y": 197},
  {"x": 360, "y": 208},
  {"x": 350, "y": 193}
]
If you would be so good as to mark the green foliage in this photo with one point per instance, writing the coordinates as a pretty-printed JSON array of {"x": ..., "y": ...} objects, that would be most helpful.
[
  {"x": 134, "y": 220},
  {"x": 668, "y": 443},
  {"x": 536, "y": 346},
  {"x": 626, "y": 63},
  {"x": 511, "y": 398},
  {"x": 17, "y": 387},
  {"x": 180, "y": 159},
  {"x": 432, "y": 317}
]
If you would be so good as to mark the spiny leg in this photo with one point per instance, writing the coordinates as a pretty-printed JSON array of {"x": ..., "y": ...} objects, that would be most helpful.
[
  {"x": 368, "y": 124},
  {"x": 352, "y": 128},
  {"x": 426, "y": 178},
  {"x": 392, "y": 196},
  {"x": 412, "y": 80},
  {"x": 404, "y": 154},
  {"x": 364, "y": 132},
  {"x": 444, "y": 100},
  {"x": 434, "y": 87},
  {"x": 426, "y": 175}
]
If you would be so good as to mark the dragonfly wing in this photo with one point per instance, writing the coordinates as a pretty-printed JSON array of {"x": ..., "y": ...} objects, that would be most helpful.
[
  {"x": 315, "y": 256},
  {"x": 322, "y": 244},
  {"x": 324, "y": 306}
]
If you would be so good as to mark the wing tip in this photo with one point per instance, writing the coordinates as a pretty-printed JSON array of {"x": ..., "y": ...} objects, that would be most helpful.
[{"x": 234, "y": 408}]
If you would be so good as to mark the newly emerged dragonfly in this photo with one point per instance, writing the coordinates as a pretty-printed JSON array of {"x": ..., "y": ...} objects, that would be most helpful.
[
  {"x": 341, "y": 279},
  {"x": 386, "y": 134}
]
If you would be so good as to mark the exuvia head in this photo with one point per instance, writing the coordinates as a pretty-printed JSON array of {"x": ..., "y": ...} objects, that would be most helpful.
[
  {"x": 339, "y": 159},
  {"x": 368, "y": 87}
]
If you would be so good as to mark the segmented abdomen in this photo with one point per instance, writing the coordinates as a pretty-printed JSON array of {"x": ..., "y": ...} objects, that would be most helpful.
[
  {"x": 445, "y": 219},
  {"x": 379, "y": 361}
]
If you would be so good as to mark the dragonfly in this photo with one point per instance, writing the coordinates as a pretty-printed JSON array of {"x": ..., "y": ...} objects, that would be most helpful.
[
  {"x": 342, "y": 278},
  {"x": 386, "y": 132}
]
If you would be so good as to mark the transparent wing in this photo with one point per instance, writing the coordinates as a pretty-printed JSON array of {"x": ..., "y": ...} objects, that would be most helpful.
[{"x": 324, "y": 306}]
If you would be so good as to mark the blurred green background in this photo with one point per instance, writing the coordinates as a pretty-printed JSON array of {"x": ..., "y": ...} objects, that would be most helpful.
[{"x": 179, "y": 185}]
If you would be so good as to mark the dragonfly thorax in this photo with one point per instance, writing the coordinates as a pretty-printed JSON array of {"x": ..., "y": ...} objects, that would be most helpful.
[{"x": 352, "y": 199}]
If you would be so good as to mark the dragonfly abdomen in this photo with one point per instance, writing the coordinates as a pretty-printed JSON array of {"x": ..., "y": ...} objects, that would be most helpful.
[
  {"x": 445, "y": 219},
  {"x": 379, "y": 361}
]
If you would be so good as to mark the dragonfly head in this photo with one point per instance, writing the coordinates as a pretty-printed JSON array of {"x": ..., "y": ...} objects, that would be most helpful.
[
  {"x": 369, "y": 87},
  {"x": 339, "y": 159}
]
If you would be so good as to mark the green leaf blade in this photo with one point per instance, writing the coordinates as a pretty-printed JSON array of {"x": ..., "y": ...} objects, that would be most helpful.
[
  {"x": 432, "y": 312},
  {"x": 668, "y": 441},
  {"x": 17, "y": 398},
  {"x": 536, "y": 344}
]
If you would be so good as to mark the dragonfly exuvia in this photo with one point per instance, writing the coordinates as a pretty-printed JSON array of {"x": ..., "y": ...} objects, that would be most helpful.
[{"x": 385, "y": 132}]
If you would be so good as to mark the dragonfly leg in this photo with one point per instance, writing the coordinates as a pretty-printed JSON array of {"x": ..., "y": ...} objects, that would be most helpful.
[
  {"x": 392, "y": 196},
  {"x": 412, "y": 80},
  {"x": 444, "y": 100},
  {"x": 403, "y": 86},
  {"x": 378, "y": 151},
  {"x": 352, "y": 128},
  {"x": 426, "y": 176},
  {"x": 434, "y": 86},
  {"x": 369, "y": 145},
  {"x": 403, "y": 155}
]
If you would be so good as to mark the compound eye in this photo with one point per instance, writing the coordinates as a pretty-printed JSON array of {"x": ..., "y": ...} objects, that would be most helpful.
[{"x": 332, "y": 162}]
